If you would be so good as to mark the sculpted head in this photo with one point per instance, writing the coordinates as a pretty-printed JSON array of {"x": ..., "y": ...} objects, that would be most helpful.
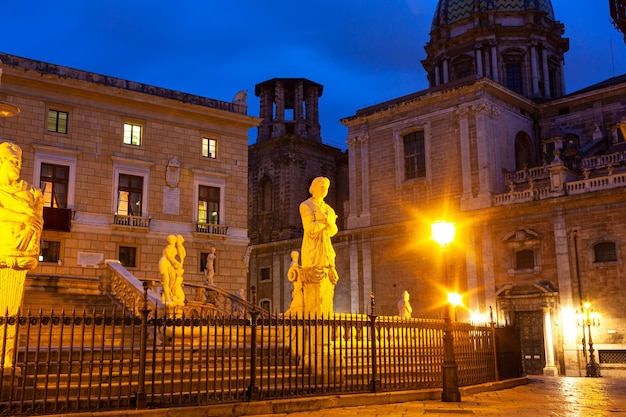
[
  {"x": 10, "y": 162},
  {"x": 319, "y": 187}
]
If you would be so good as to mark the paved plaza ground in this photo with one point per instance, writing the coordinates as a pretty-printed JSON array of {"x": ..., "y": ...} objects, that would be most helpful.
[{"x": 541, "y": 396}]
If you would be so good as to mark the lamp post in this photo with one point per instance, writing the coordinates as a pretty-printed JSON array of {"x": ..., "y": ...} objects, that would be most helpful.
[
  {"x": 587, "y": 318},
  {"x": 443, "y": 234}
]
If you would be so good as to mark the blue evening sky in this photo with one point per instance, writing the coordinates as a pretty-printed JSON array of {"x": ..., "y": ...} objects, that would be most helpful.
[{"x": 362, "y": 51}]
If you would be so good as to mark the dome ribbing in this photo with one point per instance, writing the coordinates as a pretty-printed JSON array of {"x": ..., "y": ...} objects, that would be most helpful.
[{"x": 450, "y": 11}]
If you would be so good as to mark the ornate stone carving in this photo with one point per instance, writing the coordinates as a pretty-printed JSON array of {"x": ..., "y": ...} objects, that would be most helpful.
[{"x": 172, "y": 173}]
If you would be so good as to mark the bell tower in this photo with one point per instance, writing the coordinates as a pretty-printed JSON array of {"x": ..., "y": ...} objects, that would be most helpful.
[{"x": 289, "y": 106}]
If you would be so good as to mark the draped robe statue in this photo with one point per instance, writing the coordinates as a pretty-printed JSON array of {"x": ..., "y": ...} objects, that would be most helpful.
[{"x": 317, "y": 275}]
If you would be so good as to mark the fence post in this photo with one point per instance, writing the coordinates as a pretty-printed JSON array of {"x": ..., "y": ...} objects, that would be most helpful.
[
  {"x": 375, "y": 381},
  {"x": 141, "y": 399},
  {"x": 493, "y": 343},
  {"x": 253, "y": 391}
]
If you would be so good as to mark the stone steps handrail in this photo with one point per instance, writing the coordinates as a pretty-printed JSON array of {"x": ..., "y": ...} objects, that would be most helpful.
[
  {"x": 226, "y": 309},
  {"x": 129, "y": 290}
]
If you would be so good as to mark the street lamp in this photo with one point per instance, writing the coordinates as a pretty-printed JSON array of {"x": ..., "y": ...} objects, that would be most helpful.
[
  {"x": 443, "y": 234},
  {"x": 588, "y": 317}
]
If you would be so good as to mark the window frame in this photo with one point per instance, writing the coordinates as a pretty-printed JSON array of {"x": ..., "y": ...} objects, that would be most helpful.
[
  {"x": 133, "y": 124},
  {"x": 41, "y": 253},
  {"x": 135, "y": 168},
  {"x": 55, "y": 183},
  {"x": 208, "y": 154},
  {"x": 55, "y": 156},
  {"x": 593, "y": 252},
  {"x": 209, "y": 181},
  {"x": 58, "y": 112},
  {"x": 398, "y": 136},
  {"x": 136, "y": 255},
  {"x": 269, "y": 273}
]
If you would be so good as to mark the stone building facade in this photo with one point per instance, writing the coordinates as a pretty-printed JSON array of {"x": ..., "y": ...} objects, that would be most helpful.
[
  {"x": 123, "y": 165},
  {"x": 532, "y": 177}
]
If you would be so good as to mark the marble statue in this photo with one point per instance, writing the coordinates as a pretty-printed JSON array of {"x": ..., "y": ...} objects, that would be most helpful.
[
  {"x": 317, "y": 274},
  {"x": 209, "y": 268},
  {"x": 404, "y": 306},
  {"x": 171, "y": 270},
  {"x": 293, "y": 275},
  {"x": 21, "y": 223}
]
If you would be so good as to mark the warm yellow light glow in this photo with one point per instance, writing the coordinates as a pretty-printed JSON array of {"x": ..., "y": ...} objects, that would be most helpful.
[
  {"x": 442, "y": 232},
  {"x": 455, "y": 299},
  {"x": 587, "y": 305},
  {"x": 478, "y": 317}
]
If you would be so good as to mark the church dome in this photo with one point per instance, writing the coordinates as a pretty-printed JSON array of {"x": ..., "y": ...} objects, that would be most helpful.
[{"x": 450, "y": 11}]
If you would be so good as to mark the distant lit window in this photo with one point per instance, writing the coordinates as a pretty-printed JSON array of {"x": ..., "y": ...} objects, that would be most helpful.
[
  {"x": 127, "y": 256},
  {"x": 53, "y": 180},
  {"x": 57, "y": 121},
  {"x": 208, "y": 204},
  {"x": 50, "y": 251},
  {"x": 525, "y": 259},
  {"x": 414, "y": 155},
  {"x": 209, "y": 148},
  {"x": 132, "y": 134},
  {"x": 129, "y": 195},
  {"x": 605, "y": 252}
]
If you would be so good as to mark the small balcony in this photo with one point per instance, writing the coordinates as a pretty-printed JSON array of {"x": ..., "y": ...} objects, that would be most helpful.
[
  {"x": 211, "y": 229},
  {"x": 123, "y": 222}
]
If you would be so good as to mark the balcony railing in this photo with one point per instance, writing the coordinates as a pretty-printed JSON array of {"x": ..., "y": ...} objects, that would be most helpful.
[
  {"x": 132, "y": 221},
  {"x": 211, "y": 229}
]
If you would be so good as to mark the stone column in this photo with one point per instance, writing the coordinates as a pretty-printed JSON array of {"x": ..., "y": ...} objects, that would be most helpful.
[
  {"x": 535, "y": 69},
  {"x": 546, "y": 73},
  {"x": 466, "y": 166},
  {"x": 550, "y": 369},
  {"x": 365, "y": 190},
  {"x": 446, "y": 76},
  {"x": 353, "y": 212},
  {"x": 494, "y": 62},
  {"x": 355, "y": 295},
  {"x": 298, "y": 110},
  {"x": 479, "y": 60},
  {"x": 437, "y": 77},
  {"x": 279, "y": 118}
]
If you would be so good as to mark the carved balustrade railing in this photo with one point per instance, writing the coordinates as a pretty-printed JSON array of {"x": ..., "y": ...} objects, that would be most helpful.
[
  {"x": 131, "y": 221},
  {"x": 211, "y": 229},
  {"x": 129, "y": 291}
]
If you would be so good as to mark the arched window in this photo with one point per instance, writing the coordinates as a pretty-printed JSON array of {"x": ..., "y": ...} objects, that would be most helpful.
[
  {"x": 605, "y": 252},
  {"x": 524, "y": 154},
  {"x": 267, "y": 195}
]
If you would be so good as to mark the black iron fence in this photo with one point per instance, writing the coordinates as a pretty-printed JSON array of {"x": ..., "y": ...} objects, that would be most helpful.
[{"x": 96, "y": 361}]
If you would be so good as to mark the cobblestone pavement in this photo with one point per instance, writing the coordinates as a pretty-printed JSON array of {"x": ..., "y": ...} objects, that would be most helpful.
[{"x": 542, "y": 396}]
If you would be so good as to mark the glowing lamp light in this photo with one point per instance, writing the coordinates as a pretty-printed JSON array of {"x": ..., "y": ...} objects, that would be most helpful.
[
  {"x": 442, "y": 232},
  {"x": 455, "y": 299}
]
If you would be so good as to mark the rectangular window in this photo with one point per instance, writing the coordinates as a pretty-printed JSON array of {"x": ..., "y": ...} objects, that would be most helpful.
[
  {"x": 129, "y": 195},
  {"x": 127, "y": 256},
  {"x": 605, "y": 252},
  {"x": 514, "y": 77},
  {"x": 264, "y": 274},
  {"x": 57, "y": 121},
  {"x": 209, "y": 148},
  {"x": 50, "y": 251},
  {"x": 208, "y": 204},
  {"x": 132, "y": 134},
  {"x": 53, "y": 184},
  {"x": 414, "y": 155}
]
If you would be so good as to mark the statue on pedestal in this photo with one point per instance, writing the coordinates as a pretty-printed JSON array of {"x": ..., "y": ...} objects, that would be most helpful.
[
  {"x": 21, "y": 223},
  {"x": 317, "y": 276}
]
